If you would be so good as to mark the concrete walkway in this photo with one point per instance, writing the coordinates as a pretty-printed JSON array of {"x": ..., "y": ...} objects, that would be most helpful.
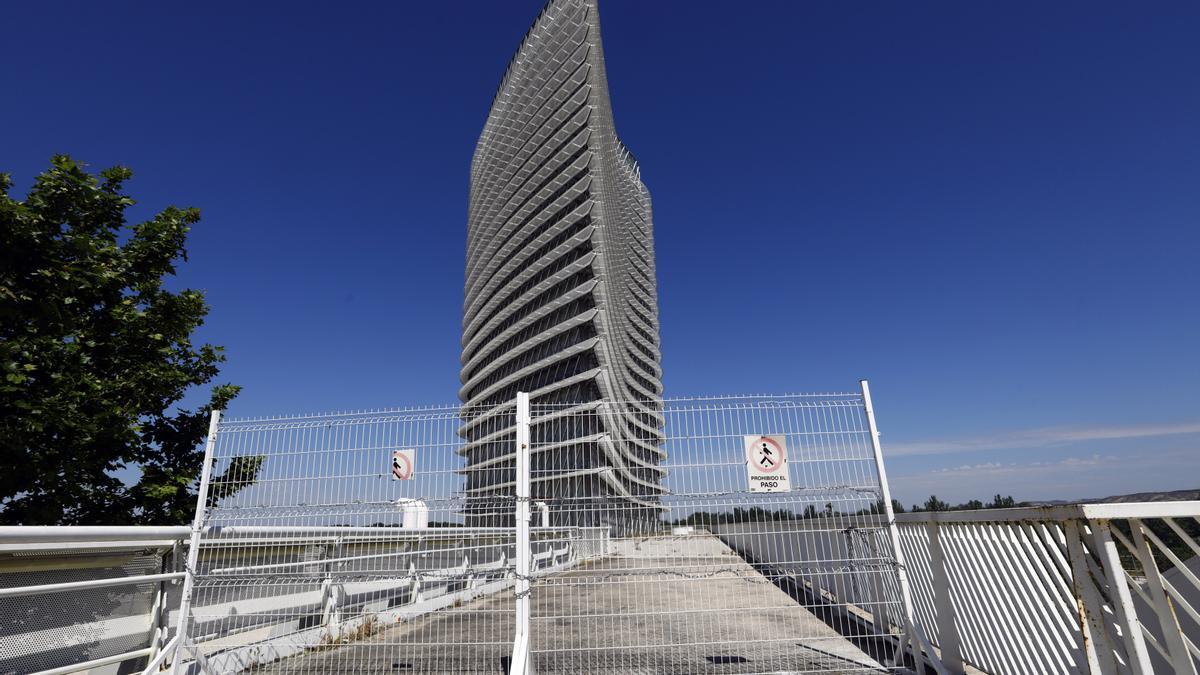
[{"x": 657, "y": 605}]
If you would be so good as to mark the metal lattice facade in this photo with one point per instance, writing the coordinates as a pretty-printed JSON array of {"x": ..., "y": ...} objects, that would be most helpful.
[{"x": 560, "y": 282}]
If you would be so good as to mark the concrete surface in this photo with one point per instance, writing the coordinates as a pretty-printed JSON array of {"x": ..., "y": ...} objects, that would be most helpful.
[{"x": 667, "y": 604}]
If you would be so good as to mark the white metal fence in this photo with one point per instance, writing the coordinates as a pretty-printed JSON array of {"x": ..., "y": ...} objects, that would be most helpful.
[
  {"x": 71, "y": 600},
  {"x": 347, "y": 536},
  {"x": 597, "y": 538},
  {"x": 1094, "y": 588},
  {"x": 558, "y": 536},
  {"x": 684, "y": 589}
]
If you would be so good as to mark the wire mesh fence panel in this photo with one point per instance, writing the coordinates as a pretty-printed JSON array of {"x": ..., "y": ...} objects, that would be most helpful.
[
  {"x": 731, "y": 535},
  {"x": 48, "y": 630},
  {"x": 350, "y": 543},
  {"x": 741, "y": 535}
]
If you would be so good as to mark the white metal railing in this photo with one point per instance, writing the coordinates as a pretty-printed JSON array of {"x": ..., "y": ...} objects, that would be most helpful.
[
  {"x": 85, "y": 598},
  {"x": 124, "y": 613},
  {"x": 1091, "y": 588},
  {"x": 1000, "y": 591}
]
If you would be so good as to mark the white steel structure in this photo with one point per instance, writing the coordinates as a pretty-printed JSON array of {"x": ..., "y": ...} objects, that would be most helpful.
[
  {"x": 560, "y": 283},
  {"x": 1090, "y": 588}
]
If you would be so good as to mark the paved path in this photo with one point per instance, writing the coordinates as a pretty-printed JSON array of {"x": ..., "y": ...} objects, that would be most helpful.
[{"x": 658, "y": 605}]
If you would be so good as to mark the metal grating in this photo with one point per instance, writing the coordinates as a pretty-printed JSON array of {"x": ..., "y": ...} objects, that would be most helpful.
[{"x": 52, "y": 630}]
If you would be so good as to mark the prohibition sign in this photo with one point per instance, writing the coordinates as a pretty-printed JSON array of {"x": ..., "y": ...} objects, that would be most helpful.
[
  {"x": 767, "y": 464},
  {"x": 769, "y": 455},
  {"x": 402, "y": 464}
]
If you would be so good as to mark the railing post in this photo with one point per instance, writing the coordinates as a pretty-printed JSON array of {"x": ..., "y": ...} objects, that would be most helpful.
[
  {"x": 885, "y": 494},
  {"x": 1122, "y": 600},
  {"x": 1168, "y": 623},
  {"x": 520, "y": 664},
  {"x": 947, "y": 628},
  {"x": 331, "y": 592},
  {"x": 1097, "y": 652},
  {"x": 158, "y": 610},
  {"x": 193, "y": 556},
  {"x": 880, "y": 613}
]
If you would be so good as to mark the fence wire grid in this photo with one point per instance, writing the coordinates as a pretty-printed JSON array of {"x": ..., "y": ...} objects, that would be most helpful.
[
  {"x": 706, "y": 574},
  {"x": 387, "y": 541}
]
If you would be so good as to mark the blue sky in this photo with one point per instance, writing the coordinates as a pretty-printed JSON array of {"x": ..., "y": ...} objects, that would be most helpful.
[{"x": 989, "y": 209}]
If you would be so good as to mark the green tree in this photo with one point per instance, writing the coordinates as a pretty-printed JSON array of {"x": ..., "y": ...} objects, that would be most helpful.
[
  {"x": 935, "y": 504},
  {"x": 96, "y": 357},
  {"x": 999, "y": 502}
]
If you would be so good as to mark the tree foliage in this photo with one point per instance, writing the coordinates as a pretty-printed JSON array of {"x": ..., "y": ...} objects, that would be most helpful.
[
  {"x": 935, "y": 504},
  {"x": 96, "y": 357},
  {"x": 998, "y": 502}
]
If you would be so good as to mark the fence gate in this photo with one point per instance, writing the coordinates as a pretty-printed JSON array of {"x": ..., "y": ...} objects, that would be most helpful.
[{"x": 722, "y": 535}]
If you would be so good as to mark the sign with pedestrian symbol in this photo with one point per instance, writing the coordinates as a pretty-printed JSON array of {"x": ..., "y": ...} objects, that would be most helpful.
[
  {"x": 404, "y": 464},
  {"x": 766, "y": 464}
]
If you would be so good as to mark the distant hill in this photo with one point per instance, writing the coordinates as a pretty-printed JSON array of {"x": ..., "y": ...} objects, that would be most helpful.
[{"x": 1171, "y": 496}]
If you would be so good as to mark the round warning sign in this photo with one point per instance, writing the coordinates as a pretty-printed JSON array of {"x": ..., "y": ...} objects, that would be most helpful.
[
  {"x": 403, "y": 464},
  {"x": 768, "y": 455}
]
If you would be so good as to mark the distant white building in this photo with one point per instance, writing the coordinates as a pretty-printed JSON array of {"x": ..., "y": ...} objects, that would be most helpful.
[{"x": 561, "y": 298}]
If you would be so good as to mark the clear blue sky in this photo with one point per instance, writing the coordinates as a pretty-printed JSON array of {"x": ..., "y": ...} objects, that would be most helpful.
[{"x": 991, "y": 210}]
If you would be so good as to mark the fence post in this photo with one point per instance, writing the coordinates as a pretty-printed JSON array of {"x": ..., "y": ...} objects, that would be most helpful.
[
  {"x": 948, "y": 638},
  {"x": 331, "y": 592},
  {"x": 160, "y": 613},
  {"x": 193, "y": 556},
  {"x": 520, "y": 664},
  {"x": 885, "y": 494}
]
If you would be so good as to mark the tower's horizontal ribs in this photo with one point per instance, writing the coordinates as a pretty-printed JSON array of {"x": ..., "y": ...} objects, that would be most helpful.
[{"x": 560, "y": 292}]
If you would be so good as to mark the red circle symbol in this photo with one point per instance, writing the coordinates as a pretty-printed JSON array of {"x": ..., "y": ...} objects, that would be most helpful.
[
  {"x": 767, "y": 456},
  {"x": 402, "y": 468}
]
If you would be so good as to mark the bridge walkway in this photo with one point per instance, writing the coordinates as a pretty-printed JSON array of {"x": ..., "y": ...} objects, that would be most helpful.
[{"x": 656, "y": 605}]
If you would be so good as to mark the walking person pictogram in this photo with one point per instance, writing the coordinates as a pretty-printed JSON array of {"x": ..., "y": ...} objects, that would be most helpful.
[
  {"x": 403, "y": 464},
  {"x": 766, "y": 460},
  {"x": 766, "y": 464}
]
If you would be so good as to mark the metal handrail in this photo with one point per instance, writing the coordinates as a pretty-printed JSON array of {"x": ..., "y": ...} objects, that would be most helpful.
[
  {"x": 20, "y": 591},
  {"x": 1082, "y": 511},
  {"x": 1070, "y": 588},
  {"x": 66, "y": 534},
  {"x": 70, "y": 540},
  {"x": 1064, "y": 561},
  {"x": 96, "y": 663}
]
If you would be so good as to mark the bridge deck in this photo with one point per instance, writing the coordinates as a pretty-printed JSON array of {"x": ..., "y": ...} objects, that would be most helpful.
[{"x": 658, "y": 605}]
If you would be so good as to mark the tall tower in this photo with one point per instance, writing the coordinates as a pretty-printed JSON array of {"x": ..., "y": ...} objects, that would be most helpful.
[{"x": 560, "y": 288}]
